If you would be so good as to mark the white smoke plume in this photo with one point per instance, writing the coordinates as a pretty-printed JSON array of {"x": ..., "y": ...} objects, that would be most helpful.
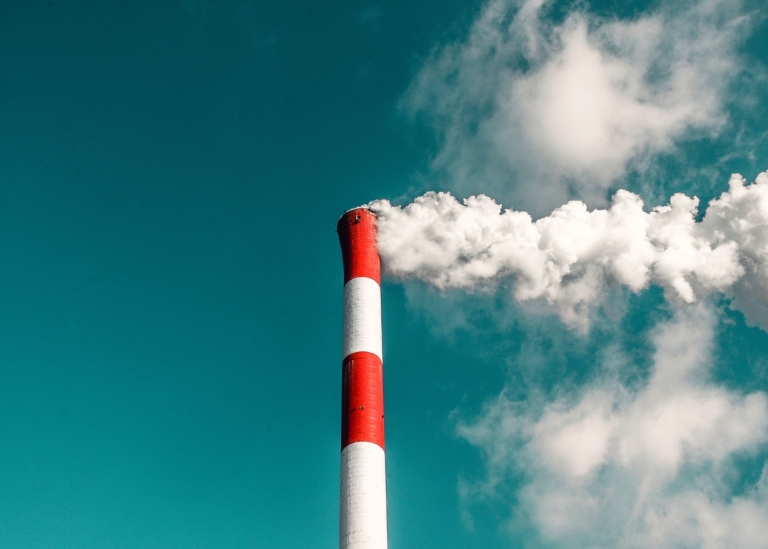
[
  {"x": 571, "y": 257},
  {"x": 541, "y": 102}
]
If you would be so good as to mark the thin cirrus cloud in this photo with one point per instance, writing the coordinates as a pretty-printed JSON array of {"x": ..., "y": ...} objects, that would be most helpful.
[{"x": 536, "y": 112}]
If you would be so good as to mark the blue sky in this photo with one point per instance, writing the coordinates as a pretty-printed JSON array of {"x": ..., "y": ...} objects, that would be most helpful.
[{"x": 171, "y": 174}]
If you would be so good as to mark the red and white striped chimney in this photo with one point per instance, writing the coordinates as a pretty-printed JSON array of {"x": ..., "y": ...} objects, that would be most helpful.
[{"x": 363, "y": 518}]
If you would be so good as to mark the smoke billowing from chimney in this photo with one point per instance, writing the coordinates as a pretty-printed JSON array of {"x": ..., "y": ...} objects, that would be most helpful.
[{"x": 571, "y": 257}]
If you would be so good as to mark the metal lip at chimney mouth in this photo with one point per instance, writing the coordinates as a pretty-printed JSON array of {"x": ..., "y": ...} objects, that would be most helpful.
[{"x": 364, "y": 207}]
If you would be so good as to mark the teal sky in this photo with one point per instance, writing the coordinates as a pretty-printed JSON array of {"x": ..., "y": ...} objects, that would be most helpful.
[{"x": 171, "y": 174}]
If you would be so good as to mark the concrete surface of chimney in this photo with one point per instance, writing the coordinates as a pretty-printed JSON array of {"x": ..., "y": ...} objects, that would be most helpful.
[{"x": 363, "y": 517}]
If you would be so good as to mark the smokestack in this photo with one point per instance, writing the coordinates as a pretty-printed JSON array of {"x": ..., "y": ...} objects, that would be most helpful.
[{"x": 363, "y": 514}]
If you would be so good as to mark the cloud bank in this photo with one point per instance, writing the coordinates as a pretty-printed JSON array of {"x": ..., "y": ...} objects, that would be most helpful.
[
  {"x": 578, "y": 103},
  {"x": 572, "y": 257}
]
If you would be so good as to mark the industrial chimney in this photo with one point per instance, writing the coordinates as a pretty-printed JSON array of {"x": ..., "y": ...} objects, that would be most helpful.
[{"x": 363, "y": 516}]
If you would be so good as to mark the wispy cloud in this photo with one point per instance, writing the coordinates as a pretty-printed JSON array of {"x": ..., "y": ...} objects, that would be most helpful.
[
  {"x": 537, "y": 107},
  {"x": 537, "y": 112},
  {"x": 617, "y": 467}
]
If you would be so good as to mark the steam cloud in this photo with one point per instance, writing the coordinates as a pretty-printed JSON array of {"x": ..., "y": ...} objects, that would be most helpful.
[
  {"x": 579, "y": 104},
  {"x": 537, "y": 106},
  {"x": 619, "y": 467},
  {"x": 571, "y": 257}
]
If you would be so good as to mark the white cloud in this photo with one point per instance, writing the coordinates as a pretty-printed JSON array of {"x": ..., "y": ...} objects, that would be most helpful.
[
  {"x": 613, "y": 467},
  {"x": 575, "y": 441},
  {"x": 536, "y": 113},
  {"x": 571, "y": 258}
]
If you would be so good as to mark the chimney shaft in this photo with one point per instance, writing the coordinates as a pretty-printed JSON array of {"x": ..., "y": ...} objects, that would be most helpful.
[{"x": 363, "y": 517}]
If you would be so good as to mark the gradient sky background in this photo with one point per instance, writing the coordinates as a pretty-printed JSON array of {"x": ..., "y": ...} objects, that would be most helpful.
[{"x": 171, "y": 174}]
